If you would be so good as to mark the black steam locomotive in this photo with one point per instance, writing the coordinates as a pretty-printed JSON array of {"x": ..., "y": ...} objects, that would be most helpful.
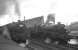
[{"x": 19, "y": 33}]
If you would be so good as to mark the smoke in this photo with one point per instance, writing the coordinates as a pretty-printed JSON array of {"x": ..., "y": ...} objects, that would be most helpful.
[
  {"x": 13, "y": 10},
  {"x": 17, "y": 7},
  {"x": 6, "y": 4},
  {"x": 3, "y": 6}
]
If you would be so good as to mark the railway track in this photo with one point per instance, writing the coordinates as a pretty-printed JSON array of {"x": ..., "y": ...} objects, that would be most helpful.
[{"x": 37, "y": 45}]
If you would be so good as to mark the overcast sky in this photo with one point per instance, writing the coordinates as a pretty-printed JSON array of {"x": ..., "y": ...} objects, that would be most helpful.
[{"x": 66, "y": 10}]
